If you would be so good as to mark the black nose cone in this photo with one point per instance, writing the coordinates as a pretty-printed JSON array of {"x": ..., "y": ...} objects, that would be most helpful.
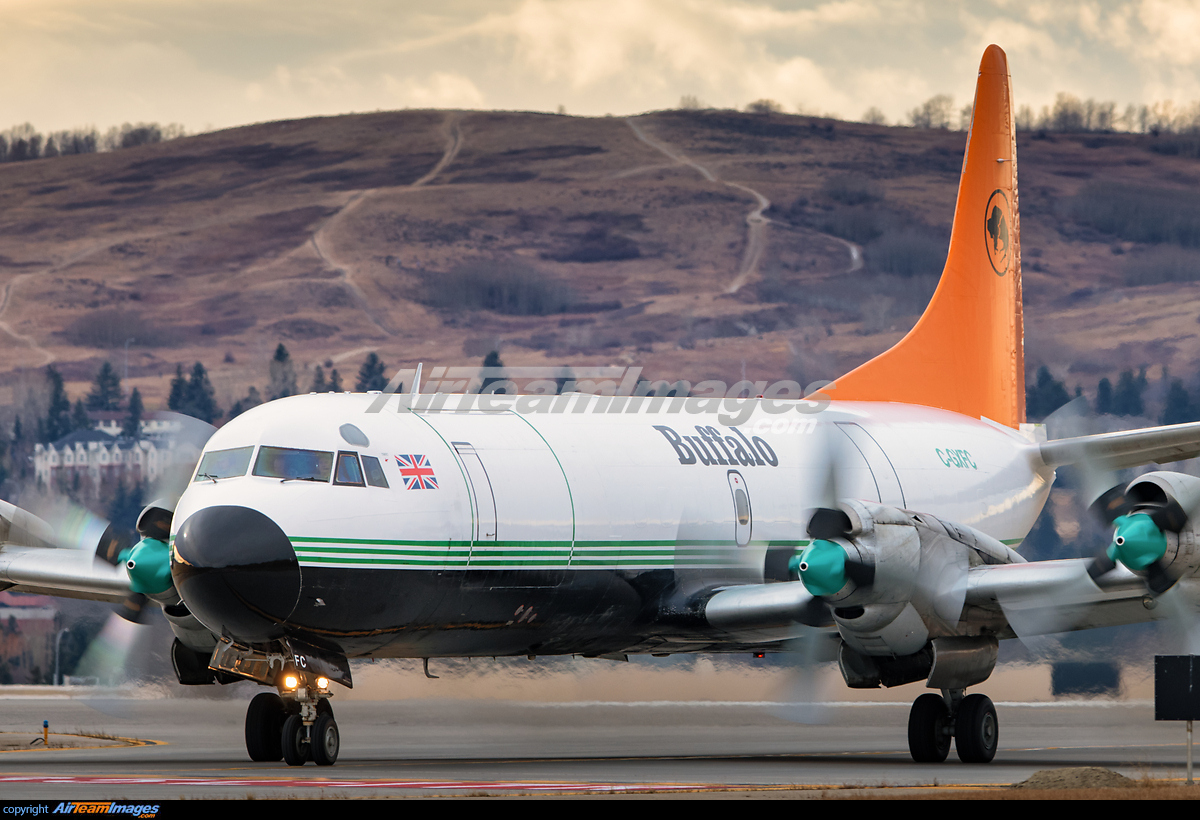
[{"x": 237, "y": 572}]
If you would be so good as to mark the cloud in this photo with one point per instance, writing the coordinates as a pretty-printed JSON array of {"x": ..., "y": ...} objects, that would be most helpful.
[
  {"x": 224, "y": 62},
  {"x": 438, "y": 90}
]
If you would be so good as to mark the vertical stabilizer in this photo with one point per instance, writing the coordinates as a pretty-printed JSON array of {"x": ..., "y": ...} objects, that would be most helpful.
[{"x": 966, "y": 353}]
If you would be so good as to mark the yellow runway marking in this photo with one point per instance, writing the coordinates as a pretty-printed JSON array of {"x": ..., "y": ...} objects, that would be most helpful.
[{"x": 123, "y": 742}]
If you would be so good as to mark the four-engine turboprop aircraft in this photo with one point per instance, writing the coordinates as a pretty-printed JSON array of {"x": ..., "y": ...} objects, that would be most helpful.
[{"x": 316, "y": 531}]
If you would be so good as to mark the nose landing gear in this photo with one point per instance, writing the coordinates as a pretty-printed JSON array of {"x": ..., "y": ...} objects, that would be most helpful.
[
  {"x": 970, "y": 720},
  {"x": 296, "y": 725}
]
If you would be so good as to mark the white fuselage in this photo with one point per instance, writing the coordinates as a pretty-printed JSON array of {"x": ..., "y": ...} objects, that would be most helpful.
[{"x": 610, "y": 490}]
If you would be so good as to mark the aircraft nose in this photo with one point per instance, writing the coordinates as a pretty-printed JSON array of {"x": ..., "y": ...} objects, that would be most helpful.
[{"x": 237, "y": 572}]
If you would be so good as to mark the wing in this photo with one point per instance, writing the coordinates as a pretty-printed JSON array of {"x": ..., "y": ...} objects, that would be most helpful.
[
  {"x": 1130, "y": 448},
  {"x": 29, "y": 562},
  {"x": 1045, "y": 597}
]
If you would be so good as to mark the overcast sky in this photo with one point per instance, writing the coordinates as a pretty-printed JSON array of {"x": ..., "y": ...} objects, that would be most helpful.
[{"x": 217, "y": 63}]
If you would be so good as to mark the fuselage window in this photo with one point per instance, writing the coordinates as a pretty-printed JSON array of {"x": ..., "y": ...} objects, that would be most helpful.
[
  {"x": 743, "y": 518},
  {"x": 742, "y": 505},
  {"x": 348, "y": 471},
  {"x": 285, "y": 463},
  {"x": 374, "y": 471},
  {"x": 224, "y": 463}
]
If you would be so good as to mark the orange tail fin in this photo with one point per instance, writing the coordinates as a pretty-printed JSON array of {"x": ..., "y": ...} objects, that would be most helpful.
[{"x": 966, "y": 353}]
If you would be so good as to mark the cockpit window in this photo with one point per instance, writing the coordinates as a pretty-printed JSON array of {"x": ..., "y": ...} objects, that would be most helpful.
[
  {"x": 374, "y": 471},
  {"x": 348, "y": 471},
  {"x": 285, "y": 463},
  {"x": 224, "y": 463}
]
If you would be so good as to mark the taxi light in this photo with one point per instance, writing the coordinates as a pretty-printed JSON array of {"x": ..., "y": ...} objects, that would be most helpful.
[
  {"x": 322, "y": 683},
  {"x": 290, "y": 682}
]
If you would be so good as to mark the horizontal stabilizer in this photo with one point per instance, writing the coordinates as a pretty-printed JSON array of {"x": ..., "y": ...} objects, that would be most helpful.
[
  {"x": 1129, "y": 448},
  {"x": 18, "y": 526}
]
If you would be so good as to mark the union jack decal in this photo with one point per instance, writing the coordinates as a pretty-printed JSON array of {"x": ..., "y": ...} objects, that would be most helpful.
[{"x": 416, "y": 472}]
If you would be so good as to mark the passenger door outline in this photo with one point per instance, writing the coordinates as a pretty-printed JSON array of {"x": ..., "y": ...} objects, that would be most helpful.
[{"x": 480, "y": 485}]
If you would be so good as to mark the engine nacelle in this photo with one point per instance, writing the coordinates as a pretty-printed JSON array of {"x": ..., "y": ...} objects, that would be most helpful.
[
  {"x": 895, "y": 579},
  {"x": 1169, "y": 539}
]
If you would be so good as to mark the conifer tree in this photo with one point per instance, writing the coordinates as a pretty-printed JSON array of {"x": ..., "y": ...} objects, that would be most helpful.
[
  {"x": 253, "y": 399},
  {"x": 1104, "y": 397},
  {"x": 178, "y": 393},
  {"x": 491, "y": 360},
  {"x": 58, "y": 418},
  {"x": 199, "y": 401},
  {"x": 106, "y": 389},
  {"x": 79, "y": 417},
  {"x": 283, "y": 374},
  {"x": 1178, "y": 407},
  {"x": 371, "y": 374},
  {"x": 1127, "y": 398},
  {"x": 132, "y": 427},
  {"x": 1045, "y": 396}
]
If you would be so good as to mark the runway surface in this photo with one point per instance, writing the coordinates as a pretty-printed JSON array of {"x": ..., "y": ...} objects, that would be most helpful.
[{"x": 467, "y": 747}]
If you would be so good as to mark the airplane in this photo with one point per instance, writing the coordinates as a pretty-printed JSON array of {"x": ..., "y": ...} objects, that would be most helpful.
[{"x": 882, "y": 514}]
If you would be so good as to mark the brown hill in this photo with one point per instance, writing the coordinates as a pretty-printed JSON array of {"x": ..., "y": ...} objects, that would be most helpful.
[{"x": 438, "y": 236}]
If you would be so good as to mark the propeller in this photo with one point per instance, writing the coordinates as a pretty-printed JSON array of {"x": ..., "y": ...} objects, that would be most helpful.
[
  {"x": 826, "y": 565},
  {"x": 148, "y": 561},
  {"x": 1140, "y": 537},
  {"x": 1139, "y": 514},
  {"x": 804, "y": 694},
  {"x": 1139, "y": 525},
  {"x": 143, "y": 552}
]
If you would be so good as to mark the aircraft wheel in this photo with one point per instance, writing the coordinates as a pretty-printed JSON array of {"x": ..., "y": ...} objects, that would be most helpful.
[
  {"x": 264, "y": 725},
  {"x": 929, "y": 729},
  {"x": 976, "y": 730},
  {"x": 325, "y": 741},
  {"x": 294, "y": 740}
]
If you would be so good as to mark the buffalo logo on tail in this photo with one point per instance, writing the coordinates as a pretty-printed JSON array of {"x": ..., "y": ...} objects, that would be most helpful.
[{"x": 996, "y": 228}]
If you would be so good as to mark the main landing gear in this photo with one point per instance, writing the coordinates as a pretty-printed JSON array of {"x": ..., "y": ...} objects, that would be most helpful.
[
  {"x": 970, "y": 720},
  {"x": 296, "y": 726}
]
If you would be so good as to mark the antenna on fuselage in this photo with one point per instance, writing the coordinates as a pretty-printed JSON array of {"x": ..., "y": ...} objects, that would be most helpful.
[{"x": 416, "y": 388}]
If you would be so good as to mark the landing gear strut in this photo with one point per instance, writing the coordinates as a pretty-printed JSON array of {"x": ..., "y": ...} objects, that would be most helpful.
[
  {"x": 970, "y": 720},
  {"x": 296, "y": 727}
]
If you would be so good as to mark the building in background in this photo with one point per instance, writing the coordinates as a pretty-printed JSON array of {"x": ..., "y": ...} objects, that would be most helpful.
[
  {"x": 87, "y": 461},
  {"x": 28, "y": 627}
]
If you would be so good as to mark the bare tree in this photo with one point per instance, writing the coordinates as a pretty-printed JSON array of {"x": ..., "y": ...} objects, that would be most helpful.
[
  {"x": 933, "y": 113},
  {"x": 873, "y": 116},
  {"x": 764, "y": 106}
]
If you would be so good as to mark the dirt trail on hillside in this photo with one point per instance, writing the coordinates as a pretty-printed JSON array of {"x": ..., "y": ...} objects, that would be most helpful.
[
  {"x": 756, "y": 220},
  {"x": 756, "y": 223},
  {"x": 5, "y": 300},
  {"x": 10, "y": 288},
  {"x": 321, "y": 239}
]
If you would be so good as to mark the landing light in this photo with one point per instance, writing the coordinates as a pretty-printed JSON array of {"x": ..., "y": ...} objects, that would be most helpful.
[
  {"x": 290, "y": 682},
  {"x": 322, "y": 683}
]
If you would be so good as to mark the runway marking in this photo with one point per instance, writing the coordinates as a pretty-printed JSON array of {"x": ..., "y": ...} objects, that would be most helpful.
[
  {"x": 464, "y": 785},
  {"x": 290, "y": 782},
  {"x": 125, "y": 742}
]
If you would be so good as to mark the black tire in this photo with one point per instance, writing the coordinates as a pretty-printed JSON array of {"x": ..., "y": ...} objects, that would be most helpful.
[
  {"x": 976, "y": 730},
  {"x": 326, "y": 742},
  {"x": 294, "y": 740},
  {"x": 264, "y": 727},
  {"x": 929, "y": 729}
]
